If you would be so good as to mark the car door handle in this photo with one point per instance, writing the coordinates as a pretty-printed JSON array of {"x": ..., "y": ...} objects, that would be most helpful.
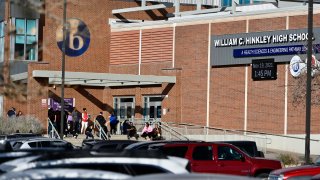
[{"x": 220, "y": 165}]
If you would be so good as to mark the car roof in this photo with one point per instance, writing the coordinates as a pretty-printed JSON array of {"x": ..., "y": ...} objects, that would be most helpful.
[
  {"x": 165, "y": 164},
  {"x": 19, "y": 135},
  {"x": 64, "y": 173},
  {"x": 147, "y": 143},
  {"x": 192, "y": 176}
]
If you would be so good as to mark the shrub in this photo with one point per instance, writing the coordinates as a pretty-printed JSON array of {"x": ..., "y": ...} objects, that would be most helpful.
[
  {"x": 24, "y": 124},
  {"x": 288, "y": 159}
]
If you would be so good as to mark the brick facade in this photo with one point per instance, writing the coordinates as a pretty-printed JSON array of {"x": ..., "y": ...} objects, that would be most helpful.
[{"x": 187, "y": 60}]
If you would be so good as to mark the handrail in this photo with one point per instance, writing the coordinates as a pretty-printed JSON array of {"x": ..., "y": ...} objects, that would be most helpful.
[
  {"x": 170, "y": 130},
  {"x": 245, "y": 131},
  {"x": 101, "y": 130},
  {"x": 54, "y": 132}
]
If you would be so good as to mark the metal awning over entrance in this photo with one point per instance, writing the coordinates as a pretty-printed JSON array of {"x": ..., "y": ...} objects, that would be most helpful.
[{"x": 102, "y": 79}]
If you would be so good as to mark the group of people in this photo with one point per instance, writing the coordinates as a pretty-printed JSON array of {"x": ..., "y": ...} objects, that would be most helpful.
[
  {"x": 12, "y": 113},
  {"x": 108, "y": 125},
  {"x": 153, "y": 133},
  {"x": 76, "y": 123}
]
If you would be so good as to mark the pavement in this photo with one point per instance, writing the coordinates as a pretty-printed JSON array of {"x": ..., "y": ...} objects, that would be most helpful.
[{"x": 78, "y": 141}]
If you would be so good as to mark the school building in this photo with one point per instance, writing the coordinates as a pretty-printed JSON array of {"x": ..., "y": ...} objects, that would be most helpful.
[{"x": 214, "y": 63}]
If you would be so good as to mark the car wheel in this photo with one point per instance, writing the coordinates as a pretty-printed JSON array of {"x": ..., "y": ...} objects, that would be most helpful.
[{"x": 262, "y": 175}]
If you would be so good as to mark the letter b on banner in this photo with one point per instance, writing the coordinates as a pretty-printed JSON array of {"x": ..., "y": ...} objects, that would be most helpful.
[{"x": 77, "y": 39}]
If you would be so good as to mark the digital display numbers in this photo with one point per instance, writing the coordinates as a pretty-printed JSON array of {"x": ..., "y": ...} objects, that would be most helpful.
[{"x": 264, "y": 69}]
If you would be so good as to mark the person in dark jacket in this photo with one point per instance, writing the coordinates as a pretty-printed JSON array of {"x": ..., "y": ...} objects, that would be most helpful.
[
  {"x": 102, "y": 121},
  {"x": 132, "y": 131},
  {"x": 88, "y": 132}
]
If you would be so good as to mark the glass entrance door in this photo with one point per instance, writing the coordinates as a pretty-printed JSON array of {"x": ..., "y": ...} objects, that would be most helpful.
[
  {"x": 152, "y": 107},
  {"x": 124, "y": 107}
]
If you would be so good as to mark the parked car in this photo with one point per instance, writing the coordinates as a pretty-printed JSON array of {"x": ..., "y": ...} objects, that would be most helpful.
[
  {"x": 8, "y": 156},
  {"x": 106, "y": 146},
  {"x": 129, "y": 163},
  {"x": 299, "y": 172},
  {"x": 15, "y": 144},
  {"x": 153, "y": 145},
  {"x": 11, "y": 160},
  {"x": 209, "y": 157},
  {"x": 60, "y": 173},
  {"x": 192, "y": 176},
  {"x": 19, "y": 135},
  {"x": 43, "y": 143}
]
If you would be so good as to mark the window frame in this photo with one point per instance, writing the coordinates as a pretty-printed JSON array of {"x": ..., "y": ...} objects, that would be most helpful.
[
  {"x": 13, "y": 39},
  {"x": 209, "y": 157},
  {"x": 2, "y": 39}
]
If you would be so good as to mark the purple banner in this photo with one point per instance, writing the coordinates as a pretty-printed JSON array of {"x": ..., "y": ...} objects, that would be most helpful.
[{"x": 68, "y": 104}]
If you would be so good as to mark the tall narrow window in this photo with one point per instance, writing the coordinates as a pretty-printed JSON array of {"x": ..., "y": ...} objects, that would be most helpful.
[
  {"x": 2, "y": 33},
  {"x": 25, "y": 47}
]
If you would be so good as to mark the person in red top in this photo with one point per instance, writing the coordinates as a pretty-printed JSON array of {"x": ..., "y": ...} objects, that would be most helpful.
[{"x": 84, "y": 122}]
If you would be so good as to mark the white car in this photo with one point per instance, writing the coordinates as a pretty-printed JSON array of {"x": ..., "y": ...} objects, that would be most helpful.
[
  {"x": 42, "y": 142},
  {"x": 63, "y": 174},
  {"x": 130, "y": 165}
]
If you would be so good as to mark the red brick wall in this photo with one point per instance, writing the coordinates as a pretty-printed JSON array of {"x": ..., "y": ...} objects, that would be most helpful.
[
  {"x": 124, "y": 48},
  {"x": 227, "y": 85},
  {"x": 157, "y": 45},
  {"x": 95, "y": 14},
  {"x": 188, "y": 97},
  {"x": 191, "y": 54},
  {"x": 267, "y": 24}
]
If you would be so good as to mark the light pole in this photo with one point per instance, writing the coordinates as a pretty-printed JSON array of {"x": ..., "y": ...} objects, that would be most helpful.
[
  {"x": 308, "y": 96},
  {"x": 64, "y": 29}
]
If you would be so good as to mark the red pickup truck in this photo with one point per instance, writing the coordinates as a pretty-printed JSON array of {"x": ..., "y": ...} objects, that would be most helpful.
[{"x": 223, "y": 158}]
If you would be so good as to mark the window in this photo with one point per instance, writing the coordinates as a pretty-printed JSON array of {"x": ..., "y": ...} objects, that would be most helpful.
[
  {"x": 124, "y": 107},
  {"x": 227, "y": 153},
  {"x": 229, "y": 2},
  {"x": 152, "y": 107},
  {"x": 202, "y": 153},
  {"x": 176, "y": 151},
  {"x": 2, "y": 33},
  {"x": 25, "y": 39}
]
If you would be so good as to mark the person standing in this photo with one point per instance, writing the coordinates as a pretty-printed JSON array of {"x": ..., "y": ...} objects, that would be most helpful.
[
  {"x": 113, "y": 123},
  {"x": 102, "y": 121},
  {"x": 84, "y": 121},
  {"x": 75, "y": 121}
]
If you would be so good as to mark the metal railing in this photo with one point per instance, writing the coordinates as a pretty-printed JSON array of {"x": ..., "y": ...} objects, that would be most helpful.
[
  {"x": 52, "y": 132},
  {"x": 204, "y": 133},
  {"x": 170, "y": 133},
  {"x": 102, "y": 133}
]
